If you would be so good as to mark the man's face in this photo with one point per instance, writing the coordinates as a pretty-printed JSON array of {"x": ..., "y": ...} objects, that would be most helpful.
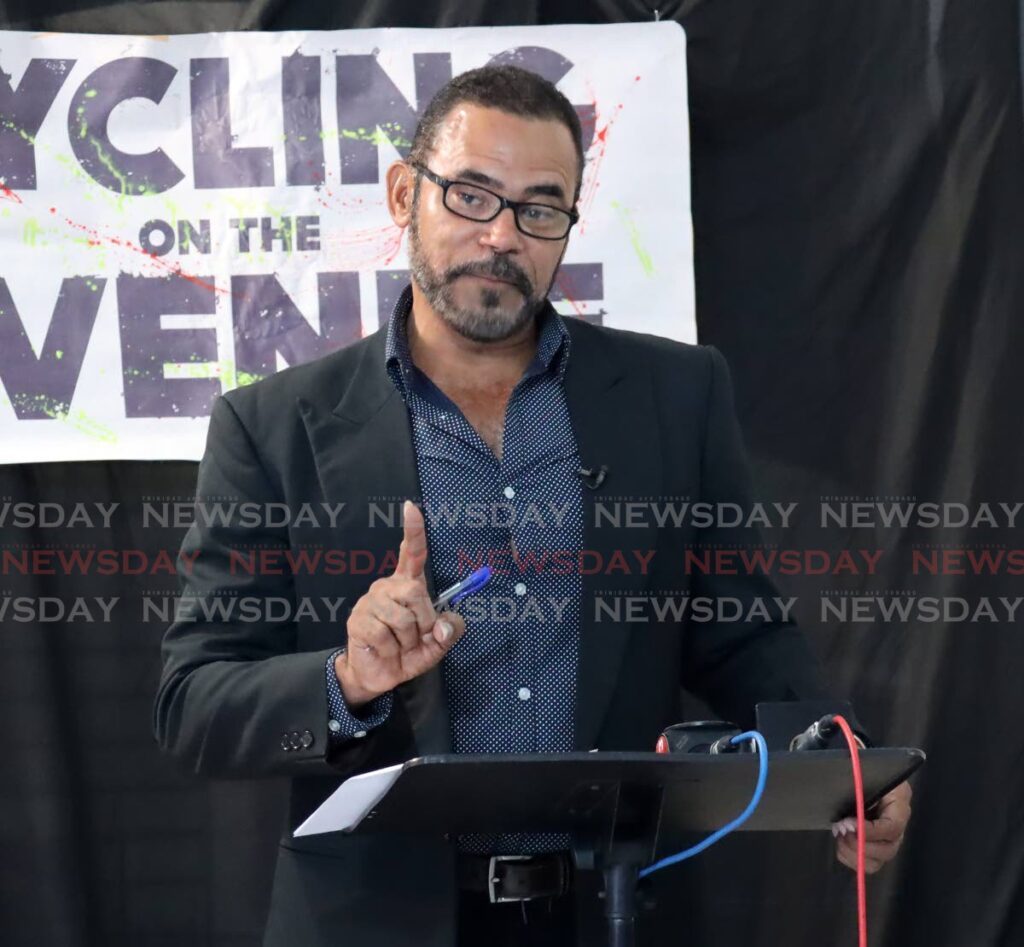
[{"x": 488, "y": 280}]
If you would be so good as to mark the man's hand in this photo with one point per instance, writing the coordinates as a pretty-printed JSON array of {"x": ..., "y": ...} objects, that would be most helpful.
[
  {"x": 882, "y": 835},
  {"x": 394, "y": 634}
]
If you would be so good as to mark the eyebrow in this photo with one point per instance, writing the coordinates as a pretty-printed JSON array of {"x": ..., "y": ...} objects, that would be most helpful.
[{"x": 485, "y": 180}]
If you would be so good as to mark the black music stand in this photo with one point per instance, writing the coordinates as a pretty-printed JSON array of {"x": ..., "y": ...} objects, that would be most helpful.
[{"x": 622, "y": 810}]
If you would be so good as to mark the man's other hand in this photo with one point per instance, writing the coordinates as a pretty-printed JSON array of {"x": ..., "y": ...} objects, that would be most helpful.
[
  {"x": 882, "y": 835},
  {"x": 394, "y": 634}
]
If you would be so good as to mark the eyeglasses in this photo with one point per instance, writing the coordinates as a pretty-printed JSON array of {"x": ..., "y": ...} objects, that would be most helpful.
[{"x": 477, "y": 203}]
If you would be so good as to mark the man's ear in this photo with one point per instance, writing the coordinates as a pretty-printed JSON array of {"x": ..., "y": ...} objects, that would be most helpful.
[{"x": 400, "y": 181}]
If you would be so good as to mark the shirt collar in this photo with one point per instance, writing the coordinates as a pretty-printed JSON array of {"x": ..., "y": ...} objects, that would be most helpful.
[{"x": 551, "y": 356}]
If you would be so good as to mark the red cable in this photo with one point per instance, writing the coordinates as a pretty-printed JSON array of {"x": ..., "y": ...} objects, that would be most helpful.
[{"x": 858, "y": 789}]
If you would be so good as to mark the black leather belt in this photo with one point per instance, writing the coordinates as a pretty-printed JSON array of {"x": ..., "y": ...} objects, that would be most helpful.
[{"x": 516, "y": 877}]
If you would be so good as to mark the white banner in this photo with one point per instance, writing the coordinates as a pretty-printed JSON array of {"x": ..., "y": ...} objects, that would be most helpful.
[{"x": 181, "y": 215}]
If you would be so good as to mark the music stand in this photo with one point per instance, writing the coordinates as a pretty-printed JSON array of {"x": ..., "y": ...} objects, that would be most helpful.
[{"x": 622, "y": 810}]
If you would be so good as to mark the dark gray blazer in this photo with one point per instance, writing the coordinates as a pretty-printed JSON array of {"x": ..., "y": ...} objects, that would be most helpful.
[{"x": 248, "y": 699}]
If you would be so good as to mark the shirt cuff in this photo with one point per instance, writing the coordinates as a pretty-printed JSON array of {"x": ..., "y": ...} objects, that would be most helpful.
[{"x": 343, "y": 724}]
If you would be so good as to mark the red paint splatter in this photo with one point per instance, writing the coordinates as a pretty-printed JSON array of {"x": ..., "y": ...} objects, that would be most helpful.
[
  {"x": 572, "y": 302},
  {"x": 364, "y": 248},
  {"x": 598, "y": 148},
  {"x": 96, "y": 239},
  {"x": 338, "y": 202},
  {"x": 560, "y": 285},
  {"x": 8, "y": 195},
  {"x": 357, "y": 249}
]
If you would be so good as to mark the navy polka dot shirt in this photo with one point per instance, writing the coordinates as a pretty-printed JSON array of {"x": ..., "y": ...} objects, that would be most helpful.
[{"x": 510, "y": 681}]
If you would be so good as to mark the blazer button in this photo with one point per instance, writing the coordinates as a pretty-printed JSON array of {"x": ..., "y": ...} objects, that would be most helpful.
[
  {"x": 296, "y": 740},
  {"x": 307, "y": 739},
  {"x": 286, "y": 744}
]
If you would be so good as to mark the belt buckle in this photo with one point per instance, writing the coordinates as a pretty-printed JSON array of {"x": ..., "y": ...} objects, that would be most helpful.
[{"x": 493, "y": 879}]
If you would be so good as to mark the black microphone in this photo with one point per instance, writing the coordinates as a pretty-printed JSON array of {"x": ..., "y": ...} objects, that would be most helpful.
[
  {"x": 816, "y": 736},
  {"x": 820, "y": 736},
  {"x": 592, "y": 478}
]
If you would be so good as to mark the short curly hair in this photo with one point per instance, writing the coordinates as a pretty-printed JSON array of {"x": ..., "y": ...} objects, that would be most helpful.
[{"x": 506, "y": 88}]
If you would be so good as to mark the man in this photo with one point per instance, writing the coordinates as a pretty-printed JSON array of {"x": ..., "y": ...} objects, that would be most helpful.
[{"x": 476, "y": 396}]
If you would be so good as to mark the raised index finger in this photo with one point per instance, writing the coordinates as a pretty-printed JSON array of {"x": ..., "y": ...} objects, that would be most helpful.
[{"x": 412, "y": 554}]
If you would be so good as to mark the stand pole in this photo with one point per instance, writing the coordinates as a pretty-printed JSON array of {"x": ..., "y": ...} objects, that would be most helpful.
[{"x": 620, "y": 904}]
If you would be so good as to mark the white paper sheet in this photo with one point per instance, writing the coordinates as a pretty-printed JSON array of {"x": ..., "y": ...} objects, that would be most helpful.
[{"x": 348, "y": 805}]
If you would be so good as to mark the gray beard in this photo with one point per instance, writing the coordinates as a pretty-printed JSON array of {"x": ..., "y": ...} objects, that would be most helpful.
[{"x": 485, "y": 322}]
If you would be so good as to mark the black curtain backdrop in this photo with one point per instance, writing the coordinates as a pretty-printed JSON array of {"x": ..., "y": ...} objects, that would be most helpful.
[{"x": 858, "y": 212}]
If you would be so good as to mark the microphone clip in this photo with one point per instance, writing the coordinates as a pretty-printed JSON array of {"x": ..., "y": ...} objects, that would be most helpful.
[{"x": 592, "y": 479}]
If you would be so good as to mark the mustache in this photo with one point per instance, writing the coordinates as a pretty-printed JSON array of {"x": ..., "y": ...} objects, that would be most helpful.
[{"x": 499, "y": 268}]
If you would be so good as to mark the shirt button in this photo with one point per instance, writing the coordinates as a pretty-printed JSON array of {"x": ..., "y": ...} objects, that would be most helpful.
[
  {"x": 509, "y": 492},
  {"x": 333, "y": 726},
  {"x": 520, "y": 588},
  {"x": 524, "y": 693},
  {"x": 359, "y": 733}
]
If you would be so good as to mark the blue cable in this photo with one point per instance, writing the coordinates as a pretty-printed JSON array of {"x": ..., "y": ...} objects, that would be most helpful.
[{"x": 762, "y": 777}]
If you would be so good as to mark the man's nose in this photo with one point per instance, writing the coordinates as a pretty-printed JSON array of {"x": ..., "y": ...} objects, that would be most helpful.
[{"x": 501, "y": 234}]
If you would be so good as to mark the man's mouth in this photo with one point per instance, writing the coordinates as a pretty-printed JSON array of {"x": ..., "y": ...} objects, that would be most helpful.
[{"x": 519, "y": 284}]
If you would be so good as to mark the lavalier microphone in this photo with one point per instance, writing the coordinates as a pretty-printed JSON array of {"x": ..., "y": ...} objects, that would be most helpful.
[{"x": 592, "y": 478}]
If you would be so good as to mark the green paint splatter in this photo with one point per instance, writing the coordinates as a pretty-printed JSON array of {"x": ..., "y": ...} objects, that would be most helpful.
[
  {"x": 233, "y": 378},
  {"x": 94, "y": 188},
  {"x": 206, "y": 370},
  {"x": 91, "y": 427},
  {"x": 30, "y": 232},
  {"x": 634, "y": 238},
  {"x": 77, "y": 419},
  {"x": 24, "y": 135},
  {"x": 387, "y": 133},
  {"x": 120, "y": 176},
  {"x": 225, "y": 370}
]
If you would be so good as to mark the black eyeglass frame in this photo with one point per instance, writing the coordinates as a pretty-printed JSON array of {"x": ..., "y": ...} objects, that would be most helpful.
[{"x": 503, "y": 202}]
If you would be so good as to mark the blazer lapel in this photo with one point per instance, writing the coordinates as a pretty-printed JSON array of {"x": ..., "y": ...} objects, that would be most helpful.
[
  {"x": 613, "y": 413},
  {"x": 364, "y": 457}
]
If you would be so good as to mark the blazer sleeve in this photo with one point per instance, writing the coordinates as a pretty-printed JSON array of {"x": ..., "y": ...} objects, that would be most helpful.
[
  {"x": 732, "y": 666},
  {"x": 235, "y": 697}
]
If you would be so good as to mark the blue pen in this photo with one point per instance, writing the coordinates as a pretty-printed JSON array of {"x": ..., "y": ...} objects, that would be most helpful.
[{"x": 472, "y": 583}]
